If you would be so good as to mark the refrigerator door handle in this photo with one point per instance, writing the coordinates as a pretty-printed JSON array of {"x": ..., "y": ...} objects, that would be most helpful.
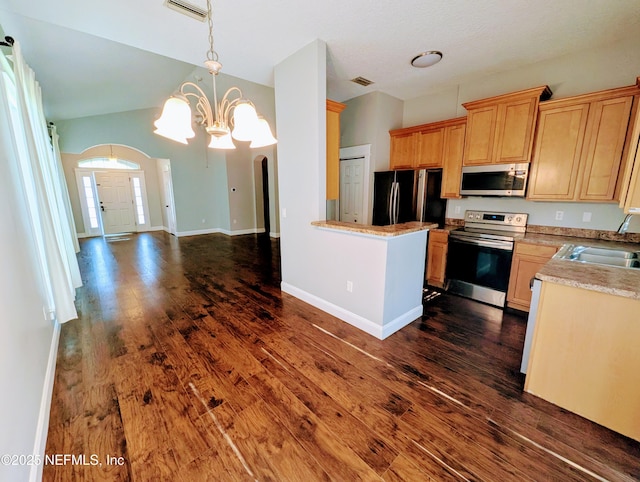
[
  {"x": 391, "y": 203},
  {"x": 397, "y": 208}
]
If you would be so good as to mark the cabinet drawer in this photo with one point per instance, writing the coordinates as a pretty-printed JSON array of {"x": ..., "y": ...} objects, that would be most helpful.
[
  {"x": 438, "y": 236},
  {"x": 535, "y": 250}
]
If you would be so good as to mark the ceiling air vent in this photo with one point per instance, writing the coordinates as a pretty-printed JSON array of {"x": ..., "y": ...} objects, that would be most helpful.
[
  {"x": 362, "y": 81},
  {"x": 187, "y": 8}
]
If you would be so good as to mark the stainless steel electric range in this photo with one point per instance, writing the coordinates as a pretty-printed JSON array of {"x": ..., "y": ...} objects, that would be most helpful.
[{"x": 479, "y": 255}]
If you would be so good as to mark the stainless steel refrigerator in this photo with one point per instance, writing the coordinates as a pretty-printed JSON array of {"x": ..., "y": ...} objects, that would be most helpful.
[{"x": 408, "y": 195}]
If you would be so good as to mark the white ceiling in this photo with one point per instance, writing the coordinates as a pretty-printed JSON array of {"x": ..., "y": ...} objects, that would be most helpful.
[{"x": 94, "y": 57}]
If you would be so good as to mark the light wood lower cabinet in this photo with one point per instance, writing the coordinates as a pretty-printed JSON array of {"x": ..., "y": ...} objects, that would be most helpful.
[
  {"x": 527, "y": 261},
  {"x": 585, "y": 357},
  {"x": 437, "y": 257}
]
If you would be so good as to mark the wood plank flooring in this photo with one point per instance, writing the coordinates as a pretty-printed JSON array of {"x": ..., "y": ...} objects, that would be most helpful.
[{"x": 189, "y": 364}]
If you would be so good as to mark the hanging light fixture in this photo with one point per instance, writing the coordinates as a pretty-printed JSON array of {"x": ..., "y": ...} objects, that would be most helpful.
[
  {"x": 234, "y": 116},
  {"x": 112, "y": 158}
]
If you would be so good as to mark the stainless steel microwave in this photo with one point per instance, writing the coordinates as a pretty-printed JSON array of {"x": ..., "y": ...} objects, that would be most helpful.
[{"x": 495, "y": 180}]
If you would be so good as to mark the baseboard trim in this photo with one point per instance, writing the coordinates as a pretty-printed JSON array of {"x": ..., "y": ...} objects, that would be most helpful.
[
  {"x": 42, "y": 428},
  {"x": 379, "y": 331},
  {"x": 402, "y": 321},
  {"x": 274, "y": 235}
]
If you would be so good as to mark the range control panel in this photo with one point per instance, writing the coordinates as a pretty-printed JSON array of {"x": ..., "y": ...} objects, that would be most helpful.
[{"x": 495, "y": 220}]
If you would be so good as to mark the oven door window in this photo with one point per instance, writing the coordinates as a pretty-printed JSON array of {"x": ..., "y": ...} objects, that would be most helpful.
[{"x": 479, "y": 265}]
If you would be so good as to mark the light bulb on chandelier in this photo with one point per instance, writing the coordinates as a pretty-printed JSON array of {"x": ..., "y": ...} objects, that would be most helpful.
[{"x": 232, "y": 111}]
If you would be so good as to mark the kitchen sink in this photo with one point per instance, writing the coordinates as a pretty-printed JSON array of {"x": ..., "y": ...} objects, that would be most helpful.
[{"x": 605, "y": 256}]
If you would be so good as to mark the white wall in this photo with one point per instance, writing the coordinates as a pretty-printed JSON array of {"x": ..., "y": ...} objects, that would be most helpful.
[
  {"x": 200, "y": 175},
  {"x": 317, "y": 263}
]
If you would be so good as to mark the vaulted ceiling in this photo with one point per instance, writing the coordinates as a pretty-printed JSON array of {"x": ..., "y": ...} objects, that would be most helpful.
[{"x": 95, "y": 57}]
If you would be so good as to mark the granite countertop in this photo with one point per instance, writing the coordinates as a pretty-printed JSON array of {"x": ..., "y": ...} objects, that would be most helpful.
[
  {"x": 559, "y": 240},
  {"x": 392, "y": 230},
  {"x": 606, "y": 279},
  {"x": 596, "y": 277}
]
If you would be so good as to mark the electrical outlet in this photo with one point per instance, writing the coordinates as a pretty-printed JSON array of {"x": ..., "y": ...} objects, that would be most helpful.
[
  {"x": 235, "y": 221},
  {"x": 350, "y": 286},
  {"x": 586, "y": 217},
  {"x": 284, "y": 212},
  {"x": 457, "y": 210},
  {"x": 559, "y": 215},
  {"x": 203, "y": 221}
]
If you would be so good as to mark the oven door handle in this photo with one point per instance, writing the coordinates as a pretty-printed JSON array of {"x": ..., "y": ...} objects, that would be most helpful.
[{"x": 506, "y": 246}]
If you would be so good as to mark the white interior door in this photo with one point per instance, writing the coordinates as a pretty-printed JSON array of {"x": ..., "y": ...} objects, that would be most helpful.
[
  {"x": 351, "y": 191},
  {"x": 116, "y": 206},
  {"x": 170, "y": 214}
]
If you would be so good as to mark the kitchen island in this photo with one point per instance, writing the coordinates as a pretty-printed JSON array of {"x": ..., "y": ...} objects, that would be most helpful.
[
  {"x": 585, "y": 355},
  {"x": 373, "y": 276}
]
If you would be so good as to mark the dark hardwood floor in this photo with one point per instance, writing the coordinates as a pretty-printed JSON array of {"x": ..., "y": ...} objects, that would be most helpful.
[{"x": 188, "y": 364}]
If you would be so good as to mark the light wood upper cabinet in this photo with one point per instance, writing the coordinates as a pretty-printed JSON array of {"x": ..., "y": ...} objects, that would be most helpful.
[
  {"x": 500, "y": 129},
  {"x": 630, "y": 185},
  {"x": 607, "y": 132},
  {"x": 579, "y": 147},
  {"x": 452, "y": 158},
  {"x": 333, "y": 148},
  {"x": 404, "y": 146},
  {"x": 557, "y": 151},
  {"x": 481, "y": 132},
  {"x": 430, "y": 145}
]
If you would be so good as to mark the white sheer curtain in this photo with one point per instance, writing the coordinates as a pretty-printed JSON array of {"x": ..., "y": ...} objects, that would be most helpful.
[{"x": 39, "y": 171}]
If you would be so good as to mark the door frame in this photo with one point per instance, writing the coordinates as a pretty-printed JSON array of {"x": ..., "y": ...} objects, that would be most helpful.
[
  {"x": 167, "y": 197},
  {"x": 138, "y": 173},
  {"x": 362, "y": 151}
]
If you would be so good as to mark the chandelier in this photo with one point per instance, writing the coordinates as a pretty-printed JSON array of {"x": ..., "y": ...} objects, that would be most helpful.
[{"x": 234, "y": 116}]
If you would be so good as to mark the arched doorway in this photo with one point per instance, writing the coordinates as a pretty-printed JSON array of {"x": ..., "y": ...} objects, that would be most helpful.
[{"x": 116, "y": 190}]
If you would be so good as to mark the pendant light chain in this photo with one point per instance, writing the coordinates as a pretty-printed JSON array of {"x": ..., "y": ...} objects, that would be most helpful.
[{"x": 212, "y": 55}]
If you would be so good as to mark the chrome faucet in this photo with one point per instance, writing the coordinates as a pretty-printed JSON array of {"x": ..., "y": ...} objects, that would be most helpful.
[{"x": 625, "y": 224}]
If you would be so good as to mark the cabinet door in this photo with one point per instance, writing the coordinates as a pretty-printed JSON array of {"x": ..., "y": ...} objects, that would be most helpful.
[
  {"x": 481, "y": 130},
  {"x": 452, "y": 161},
  {"x": 557, "y": 151},
  {"x": 528, "y": 259},
  {"x": 515, "y": 131},
  {"x": 430, "y": 147},
  {"x": 403, "y": 151},
  {"x": 604, "y": 143},
  {"x": 437, "y": 257},
  {"x": 333, "y": 148}
]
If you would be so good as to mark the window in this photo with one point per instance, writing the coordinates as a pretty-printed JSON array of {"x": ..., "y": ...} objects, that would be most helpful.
[
  {"x": 137, "y": 194},
  {"x": 91, "y": 201},
  {"x": 106, "y": 163}
]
